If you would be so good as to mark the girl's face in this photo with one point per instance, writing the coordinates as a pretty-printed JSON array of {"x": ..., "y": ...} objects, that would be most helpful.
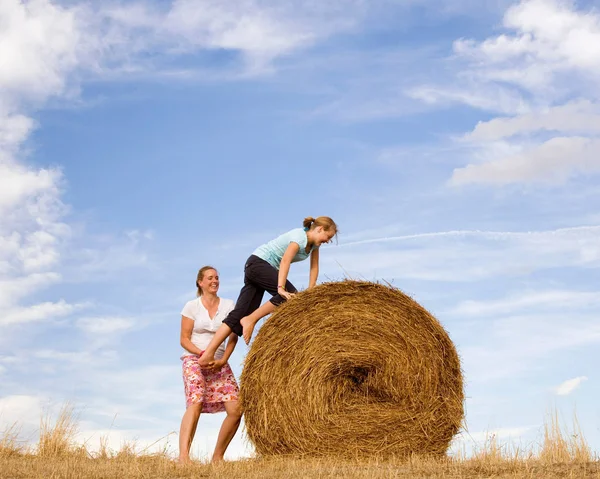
[
  {"x": 210, "y": 282},
  {"x": 321, "y": 236}
]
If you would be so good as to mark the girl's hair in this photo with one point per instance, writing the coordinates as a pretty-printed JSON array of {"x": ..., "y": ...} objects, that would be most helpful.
[
  {"x": 200, "y": 277},
  {"x": 324, "y": 221}
]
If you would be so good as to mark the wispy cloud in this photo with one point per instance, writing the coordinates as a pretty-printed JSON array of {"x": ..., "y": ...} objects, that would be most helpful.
[
  {"x": 256, "y": 33},
  {"x": 39, "y": 312},
  {"x": 570, "y": 385},
  {"x": 533, "y": 300},
  {"x": 102, "y": 257},
  {"x": 515, "y": 345},
  {"x": 459, "y": 256},
  {"x": 76, "y": 357},
  {"x": 106, "y": 324}
]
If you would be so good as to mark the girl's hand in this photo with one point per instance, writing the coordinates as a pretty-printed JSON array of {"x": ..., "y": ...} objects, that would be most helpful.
[{"x": 285, "y": 294}]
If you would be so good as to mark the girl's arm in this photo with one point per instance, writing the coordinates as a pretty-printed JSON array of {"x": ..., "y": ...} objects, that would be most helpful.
[
  {"x": 286, "y": 261},
  {"x": 185, "y": 339},
  {"x": 314, "y": 268}
]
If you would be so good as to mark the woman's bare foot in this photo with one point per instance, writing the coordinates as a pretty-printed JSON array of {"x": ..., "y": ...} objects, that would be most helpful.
[
  {"x": 217, "y": 460},
  {"x": 184, "y": 460},
  {"x": 248, "y": 329}
]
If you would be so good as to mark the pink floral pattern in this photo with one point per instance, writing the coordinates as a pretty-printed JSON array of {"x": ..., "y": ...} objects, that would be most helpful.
[{"x": 211, "y": 388}]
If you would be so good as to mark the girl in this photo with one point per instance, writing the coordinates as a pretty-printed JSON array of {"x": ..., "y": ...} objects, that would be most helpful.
[
  {"x": 211, "y": 389},
  {"x": 267, "y": 270}
]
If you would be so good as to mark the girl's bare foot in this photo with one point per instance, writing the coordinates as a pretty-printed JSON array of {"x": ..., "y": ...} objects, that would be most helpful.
[
  {"x": 184, "y": 460},
  {"x": 248, "y": 329},
  {"x": 217, "y": 460}
]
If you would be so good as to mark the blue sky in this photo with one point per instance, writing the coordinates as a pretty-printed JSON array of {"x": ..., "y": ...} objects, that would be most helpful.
[{"x": 457, "y": 145}]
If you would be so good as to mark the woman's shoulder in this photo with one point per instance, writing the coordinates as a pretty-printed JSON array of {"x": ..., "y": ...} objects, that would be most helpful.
[
  {"x": 192, "y": 302},
  {"x": 190, "y": 307},
  {"x": 228, "y": 303}
]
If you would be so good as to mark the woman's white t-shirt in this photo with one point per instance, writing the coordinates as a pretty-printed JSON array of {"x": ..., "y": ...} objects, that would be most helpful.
[{"x": 204, "y": 327}]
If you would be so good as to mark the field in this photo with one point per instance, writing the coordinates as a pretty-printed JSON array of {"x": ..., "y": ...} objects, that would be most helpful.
[{"x": 56, "y": 455}]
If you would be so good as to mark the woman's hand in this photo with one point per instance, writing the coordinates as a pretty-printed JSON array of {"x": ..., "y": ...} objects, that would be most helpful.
[{"x": 218, "y": 364}]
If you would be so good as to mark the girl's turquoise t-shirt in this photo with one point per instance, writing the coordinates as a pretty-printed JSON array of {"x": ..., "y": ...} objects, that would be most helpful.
[{"x": 273, "y": 251}]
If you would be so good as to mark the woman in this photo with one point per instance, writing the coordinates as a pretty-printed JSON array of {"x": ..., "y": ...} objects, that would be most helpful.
[{"x": 212, "y": 389}]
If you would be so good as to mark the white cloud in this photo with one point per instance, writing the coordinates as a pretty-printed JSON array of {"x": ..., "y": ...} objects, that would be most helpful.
[
  {"x": 14, "y": 288},
  {"x": 38, "y": 47},
  {"x": 548, "y": 54},
  {"x": 570, "y": 385},
  {"x": 38, "y": 312},
  {"x": 106, "y": 324},
  {"x": 581, "y": 116},
  {"x": 14, "y": 129},
  {"x": 22, "y": 409},
  {"x": 552, "y": 162},
  {"x": 550, "y": 37}
]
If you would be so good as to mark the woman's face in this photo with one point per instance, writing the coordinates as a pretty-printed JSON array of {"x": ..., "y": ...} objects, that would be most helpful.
[{"x": 210, "y": 282}]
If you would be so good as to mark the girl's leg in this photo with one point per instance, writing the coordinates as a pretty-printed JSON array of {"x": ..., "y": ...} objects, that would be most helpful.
[
  {"x": 228, "y": 429},
  {"x": 208, "y": 357},
  {"x": 250, "y": 321},
  {"x": 187, "y": 430},
  {"x": 248, "y": 300},
  {"x": 267, "y": 278}
]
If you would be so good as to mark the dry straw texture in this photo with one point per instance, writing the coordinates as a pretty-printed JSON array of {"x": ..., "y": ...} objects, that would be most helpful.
[{"x": 355, "y": 369}]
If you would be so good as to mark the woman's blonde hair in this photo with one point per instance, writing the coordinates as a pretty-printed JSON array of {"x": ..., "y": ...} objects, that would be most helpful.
[
  {"x": 200, "y": 277},
  {"x": 324, "y": 221}
]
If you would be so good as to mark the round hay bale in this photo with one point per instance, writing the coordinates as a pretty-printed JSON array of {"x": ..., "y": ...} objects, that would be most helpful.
[{"x": 352, "y": 368}]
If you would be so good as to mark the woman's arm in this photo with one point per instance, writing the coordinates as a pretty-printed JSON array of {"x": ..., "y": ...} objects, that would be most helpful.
[
  {"x": 286, "y": 261},
  {"x": 314, "y": 268},
  {"x": 187, "y": 326}
]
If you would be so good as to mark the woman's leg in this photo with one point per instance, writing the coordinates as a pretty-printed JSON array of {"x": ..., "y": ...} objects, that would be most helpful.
[
  {"x": 228, "y": 429},
  {"x": 187, "y": 430}
]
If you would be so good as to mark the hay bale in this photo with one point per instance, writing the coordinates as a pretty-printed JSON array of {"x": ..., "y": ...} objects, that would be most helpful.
[{"x": 352, "y": 368}]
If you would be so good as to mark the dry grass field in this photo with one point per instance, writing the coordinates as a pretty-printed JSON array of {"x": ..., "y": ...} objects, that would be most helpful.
[{"x": 57, "y": 456}]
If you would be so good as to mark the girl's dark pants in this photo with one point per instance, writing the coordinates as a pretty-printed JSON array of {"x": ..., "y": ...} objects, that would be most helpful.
[{"x": 259, "y": 276}]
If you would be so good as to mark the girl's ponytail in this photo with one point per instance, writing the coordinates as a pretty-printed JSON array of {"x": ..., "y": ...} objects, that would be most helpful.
[
  {"x": 308, "y": 222},
  {"x": 324, "y": 222}
]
